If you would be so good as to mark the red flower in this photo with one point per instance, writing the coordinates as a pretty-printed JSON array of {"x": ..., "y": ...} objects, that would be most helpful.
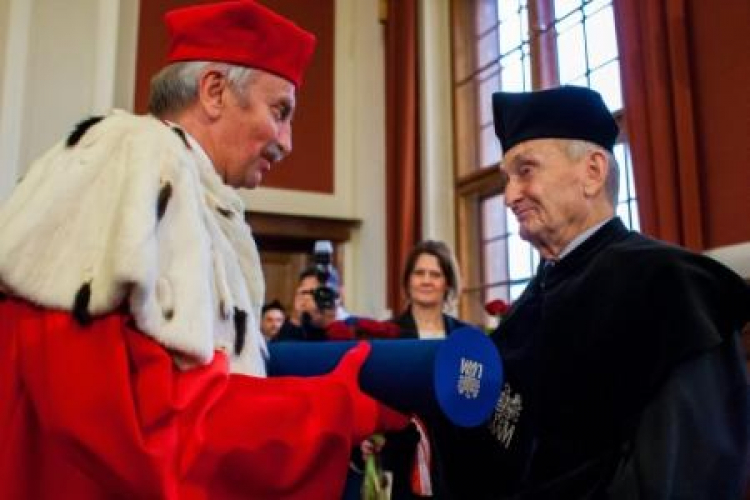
[
  {"x": 497, "y": 307},
  {"x": 338, "y": 330},
  {"x": 362, "y": 328},
  {"x": 370, "y": 328}
]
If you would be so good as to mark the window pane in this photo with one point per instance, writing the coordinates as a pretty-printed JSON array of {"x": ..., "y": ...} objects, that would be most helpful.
[
  {"x": 594, "y": 6},
  {"x": 534, "y": 260},
  {"x": 600, "y": 37},
  {"x": 513, "y": 24},
  {"x": 514, "y": 73},
  {"x": 565, "y": 7},
  {"x": 631, "y": 179},
  {"x": 626, "y": 190},
  {"x": 519, "y": 252},
  {"x": 517, "y": 290},
  {"x": 581, "y": 81},
  {"x": 525, "y": 36},
  {"x": 527, "y": 68},
  {"x": 490, "y": 147},
  {"x": 636, "y": 219},
  {"x": 493, "y": 217},
  {"x": 467, "y": 122},
  {"x": 511, "y": 221},
  {"x": 573, "y": 19},
  {"x": 510, "y": 34},
  {"x": 624, "y": 195},
  {"x": 486, "y": 15},
  {"x": 571, "y": 53},
  {"x": 498, "y": 292},
  {"x": 623, "y": 211},
  {"x": 606, "y": 80},
  {"x": 489, "y": 84},
  {"x": 627, "y": 208},
  {"x": 495, "y": 262},
  {"x": 506, "y": 9},
  {"x": 488, "y": 49}
]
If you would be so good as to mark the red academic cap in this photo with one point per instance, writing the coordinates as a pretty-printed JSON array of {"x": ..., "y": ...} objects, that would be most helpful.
[{"x": 240, "y": 32}]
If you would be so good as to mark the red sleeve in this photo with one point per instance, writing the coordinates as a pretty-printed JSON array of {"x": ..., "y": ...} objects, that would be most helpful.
[{"x": 101, "y": 411}]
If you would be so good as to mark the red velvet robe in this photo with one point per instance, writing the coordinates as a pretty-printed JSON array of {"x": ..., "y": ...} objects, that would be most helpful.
[{"x": 102, "y": 412}]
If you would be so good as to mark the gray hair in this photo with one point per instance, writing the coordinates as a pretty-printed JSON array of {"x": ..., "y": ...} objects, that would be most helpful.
[
  {"x": 175, "y": 87},
  {"x": 577, "y": 149}
]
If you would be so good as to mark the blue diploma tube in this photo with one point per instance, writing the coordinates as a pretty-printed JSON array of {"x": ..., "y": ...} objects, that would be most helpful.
[{"x": 460, "y": 376}]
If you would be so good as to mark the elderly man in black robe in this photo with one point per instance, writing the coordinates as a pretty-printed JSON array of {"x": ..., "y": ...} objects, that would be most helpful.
[{"x": 624, "y": 378}]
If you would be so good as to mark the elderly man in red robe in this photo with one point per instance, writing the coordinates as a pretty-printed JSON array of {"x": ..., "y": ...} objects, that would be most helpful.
[{"x": 131, "y": 360}]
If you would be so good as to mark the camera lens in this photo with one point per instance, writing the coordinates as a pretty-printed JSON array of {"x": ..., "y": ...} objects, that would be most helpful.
[{"x": 325, "y": 297}]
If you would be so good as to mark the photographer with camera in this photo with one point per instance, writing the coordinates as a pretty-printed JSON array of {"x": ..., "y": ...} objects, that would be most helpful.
[{"x": 317, "y": 299}]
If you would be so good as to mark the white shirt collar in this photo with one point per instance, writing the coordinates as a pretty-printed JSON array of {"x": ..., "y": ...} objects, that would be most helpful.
[{"x": 578, "y": 240}]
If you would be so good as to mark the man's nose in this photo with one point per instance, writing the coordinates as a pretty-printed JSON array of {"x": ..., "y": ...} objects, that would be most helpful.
[
  {"x": 285, "y": 138},
  {"x": 511, "y": 193}
]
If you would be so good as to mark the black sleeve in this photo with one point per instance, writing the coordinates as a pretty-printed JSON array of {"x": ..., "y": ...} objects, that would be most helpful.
[{"x": 692, "y": 441}]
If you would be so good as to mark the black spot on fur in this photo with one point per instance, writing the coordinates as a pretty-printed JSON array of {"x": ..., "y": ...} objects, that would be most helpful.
[
  {"x": 181, "y": 134},
  {"x": 223, "y": 211},
  {"x": 240, "y": 326},
  {"x": 81, "y": 129},
  {"x": 169, "y": 314},
  {"x": 165, "y": 193},
  {"x": 81, "y": 305}
]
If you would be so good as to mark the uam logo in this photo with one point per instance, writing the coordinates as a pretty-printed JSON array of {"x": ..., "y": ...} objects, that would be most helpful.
[{"x": 470, "y": 377}]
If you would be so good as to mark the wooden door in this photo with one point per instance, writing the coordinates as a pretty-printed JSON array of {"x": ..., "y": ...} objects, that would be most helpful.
[{"x": 281, "y": 270}]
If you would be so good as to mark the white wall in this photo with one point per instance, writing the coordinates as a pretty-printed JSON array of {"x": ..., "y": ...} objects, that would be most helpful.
[
  {"x": 438, "y": 207},
  {"x": 62, "y": 61},
  {"x": 4, "y": 9},
  {"x": 60, "y": 73},
  {"x": 14, "y": 47},
  {"x": 736, "y": 257}
]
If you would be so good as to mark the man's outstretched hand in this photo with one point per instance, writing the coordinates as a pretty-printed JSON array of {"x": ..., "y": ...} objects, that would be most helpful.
[{"x": 370, "y": 415}]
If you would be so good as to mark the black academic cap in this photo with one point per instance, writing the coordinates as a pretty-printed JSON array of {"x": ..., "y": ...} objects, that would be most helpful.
[{"x": 566, "y": 112}]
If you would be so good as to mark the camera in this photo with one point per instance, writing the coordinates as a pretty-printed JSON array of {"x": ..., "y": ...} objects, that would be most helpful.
[{"x": 327, "y": 293}]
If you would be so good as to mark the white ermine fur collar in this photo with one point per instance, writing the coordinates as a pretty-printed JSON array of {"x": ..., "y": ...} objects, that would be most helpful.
[{"x": 131, "y": 210}]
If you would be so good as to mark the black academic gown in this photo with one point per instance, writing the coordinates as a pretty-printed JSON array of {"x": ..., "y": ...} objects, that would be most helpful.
[{"x": 623, "y": 381}]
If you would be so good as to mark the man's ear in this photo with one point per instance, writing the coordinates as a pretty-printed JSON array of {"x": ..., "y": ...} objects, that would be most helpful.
[
  {"x": 211, "y": 97},
  {"x": 595, "y": 174}
]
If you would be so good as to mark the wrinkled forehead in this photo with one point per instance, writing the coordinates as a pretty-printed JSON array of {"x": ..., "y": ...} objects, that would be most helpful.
[
  {"x": 533, "y": 150},
  {"x": 270, "y": 85}
]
